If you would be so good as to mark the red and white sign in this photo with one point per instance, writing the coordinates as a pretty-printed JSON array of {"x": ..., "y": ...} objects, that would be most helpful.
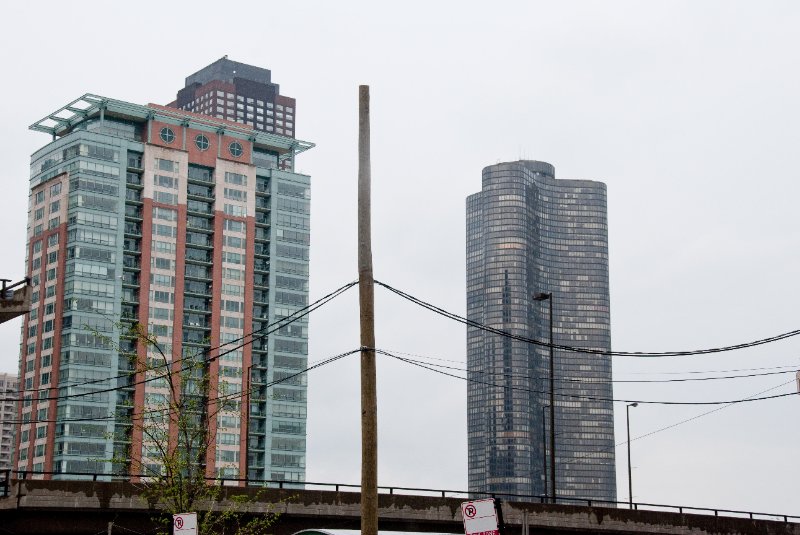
[
  {"x": 480, "y": 517},
  {"x": 184, "y": 524}
]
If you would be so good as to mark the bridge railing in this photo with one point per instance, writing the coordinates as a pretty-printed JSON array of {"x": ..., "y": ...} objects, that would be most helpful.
[{"x": 9, "y": 475}]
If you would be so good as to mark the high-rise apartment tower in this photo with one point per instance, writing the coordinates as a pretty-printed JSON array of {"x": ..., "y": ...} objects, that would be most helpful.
[
  {"x": 238, "y": 92},
  {"x": 192, "y": 227},
  {"x": 527, "y": 234},
  {"x": 9, "y": 390}
]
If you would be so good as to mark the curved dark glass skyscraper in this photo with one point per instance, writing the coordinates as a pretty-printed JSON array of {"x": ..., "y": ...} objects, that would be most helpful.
[{"x": 529, "y": 233}]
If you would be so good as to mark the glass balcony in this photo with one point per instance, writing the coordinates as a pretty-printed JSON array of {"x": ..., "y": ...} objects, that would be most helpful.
[
  {"x": 198, "y": 272},
  {"x": 133, "y": 228},
  {"x": 201, "y": 223},
  {"x": 133, "y": 179},
  {"x": 197, "y": 190},
  {"x": 199, "y": 206},
  {"x": 198, "y": 255},
  {"x": 203, "y": 240},
  {"x": 134, "y": 161}
]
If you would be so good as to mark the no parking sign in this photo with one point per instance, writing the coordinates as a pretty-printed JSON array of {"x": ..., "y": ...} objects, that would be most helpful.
[
  {"x": 480, "y": 517},
  {"x": 184, "y": 524}
]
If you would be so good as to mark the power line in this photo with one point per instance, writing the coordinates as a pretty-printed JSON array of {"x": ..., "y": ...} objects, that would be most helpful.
[
  {"x": 271, "y": 328},
  {"x": 592, "y": 381},
  {"x": 592, "y": 351},
  {"x": 790, "y": 366},
  {"x": 676, "y": 424},
  {"x": 224, "y": 397},
  {"x": 582, "y": 397},
  {"x": 785, "y": 367}
]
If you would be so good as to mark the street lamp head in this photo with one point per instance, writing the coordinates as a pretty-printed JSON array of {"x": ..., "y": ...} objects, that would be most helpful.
[
  {"x": 635, "y": 404},
  {"x": 541, "y": 296}
]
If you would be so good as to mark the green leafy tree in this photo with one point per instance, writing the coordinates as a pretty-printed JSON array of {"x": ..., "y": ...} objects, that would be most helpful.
[{"x": 175, "y": 426}]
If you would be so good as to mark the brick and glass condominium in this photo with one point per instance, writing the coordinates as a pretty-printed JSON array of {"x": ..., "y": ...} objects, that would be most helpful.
[
  {"x": 192, "y": 225},
  {"x": 9, "y": 390},
  {"x": 529, "y": 233}
]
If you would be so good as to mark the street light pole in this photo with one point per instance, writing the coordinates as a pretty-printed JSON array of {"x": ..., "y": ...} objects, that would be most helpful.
[
  {"x": 549, "y": 298},
  {"x": 628, "y": 424},
  {"x": 544, "y": 447}
]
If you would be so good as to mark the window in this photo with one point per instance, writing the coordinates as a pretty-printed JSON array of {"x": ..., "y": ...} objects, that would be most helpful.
[
  {"x": 234, "y": 241},
  {"x": 233, "y": 289},
  {"x": 164, "y": 247},
  {"x": 165, "y": 230},
  {"x": 163, "y": 280},
  {"x": 201, "y": 141},
  {"x": 235, "y": 210},
  {"x": 233, "y": 258},
  {"x": 52, "y": 240},
  {"x": 165, "y": 214},
  {"x": 53, "y": 223},
  {"x": 39, "y": 197},
  {"x": 166, "y": 165},
  {"x": 37, "y": 246},
  {"x": 165, "y": 181},
  {"x": 163, "y": 297},
  {"x": 235, "y": 194},
  {"x": 161, "y": 263},
  {"x": 55, "y": 189},
  {"x": 234, "y": 226},
  {"x": 165, "y": 198},
  {"x": 232, "y": 306},
  {"x": 167, "y": 135},
  {"x": 233, "y": 274},
  {"x": 235, "y": 149},
  {"x": 236, "y": 179},
  {"x": 55, "y": 206}
]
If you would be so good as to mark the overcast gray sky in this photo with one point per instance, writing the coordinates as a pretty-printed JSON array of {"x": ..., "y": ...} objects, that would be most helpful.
[{"x": 687, "y": 110}]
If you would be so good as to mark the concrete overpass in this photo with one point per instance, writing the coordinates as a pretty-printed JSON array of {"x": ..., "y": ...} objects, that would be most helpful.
[{"x": 86, "y": 507}]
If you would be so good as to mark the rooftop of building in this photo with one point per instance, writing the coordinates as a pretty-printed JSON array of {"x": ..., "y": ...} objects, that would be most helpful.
[
  {"x": 226, "y": 70},
  {"x": 89, "y": 106}
]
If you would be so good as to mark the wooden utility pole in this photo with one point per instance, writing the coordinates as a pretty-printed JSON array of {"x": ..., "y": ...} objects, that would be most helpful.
[{"x": 366, "y": 292}]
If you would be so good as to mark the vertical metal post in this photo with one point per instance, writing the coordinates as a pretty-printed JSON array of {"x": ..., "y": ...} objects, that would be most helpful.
[
  {"x": 544, "y": 447},
  {"x": 552, "y": 407},
  {"x": 366, "y": 287},
  {"x": 498, "y": 507},
  {"x": 630, "y": 477}
]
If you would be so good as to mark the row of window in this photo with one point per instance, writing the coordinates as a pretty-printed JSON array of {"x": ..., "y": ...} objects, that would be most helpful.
[{"x": 167, "y": 135}]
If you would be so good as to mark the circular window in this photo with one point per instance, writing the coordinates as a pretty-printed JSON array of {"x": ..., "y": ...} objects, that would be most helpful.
[
  {"x": 236, "y": 149},
  {"x": 201, "y": 141},
  {"x": 167, "y": 135}
]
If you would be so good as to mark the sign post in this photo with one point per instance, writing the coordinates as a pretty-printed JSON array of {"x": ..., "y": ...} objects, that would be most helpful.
[
  {"x": 480, "y": 517},
  {"x": 184, "y": 524}
]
